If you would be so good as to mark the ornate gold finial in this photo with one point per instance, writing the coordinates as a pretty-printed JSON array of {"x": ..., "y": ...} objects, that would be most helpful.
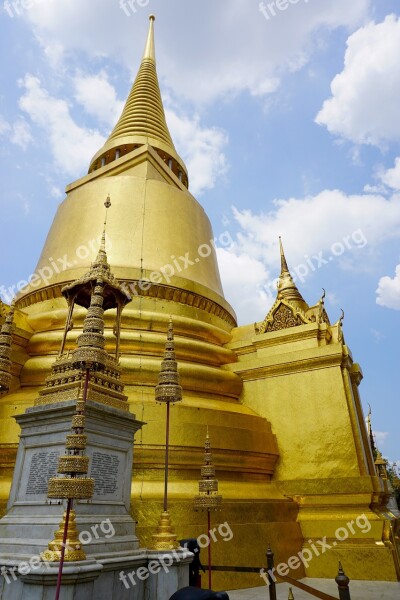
[
  {"x": 167, "y": 391},
  {"x": 73, "y": 546},
  {"x": 290, "y": 596},
  {"x": 165, "y": 537},
  {"x": 5, "y": 350},
  {"x": 168, "y": 388},
  {"x": 90, "y": 352},
  {"x": 208, "y": 497}
]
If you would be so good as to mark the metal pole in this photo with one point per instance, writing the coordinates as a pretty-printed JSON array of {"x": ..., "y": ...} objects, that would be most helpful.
[
  {"x": 64, "y": 542},
  {"x": 68, "y": 512},
  {"x": 343, "y": 584},
  {"x": 209, "y": 548},
  {"x": 270, "y": 566},
  {"x": 166, "y": 462},
  {"x": 67, "y": 326}
]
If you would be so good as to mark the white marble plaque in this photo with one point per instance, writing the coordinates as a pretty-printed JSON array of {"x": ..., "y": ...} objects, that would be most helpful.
[
  {"x": 106, "y": 470},
  {"x": 43, "y": 465}
]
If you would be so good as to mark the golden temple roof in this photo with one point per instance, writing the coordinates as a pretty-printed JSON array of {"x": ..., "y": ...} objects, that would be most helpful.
[{"x": 143, "y": 118}]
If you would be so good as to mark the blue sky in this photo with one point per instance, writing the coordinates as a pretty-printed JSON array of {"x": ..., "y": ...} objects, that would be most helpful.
[{"x": 288, "y": 124}]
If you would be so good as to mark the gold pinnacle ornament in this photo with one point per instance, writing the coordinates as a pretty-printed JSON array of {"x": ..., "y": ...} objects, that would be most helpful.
[
  {"x": 73, "y": 546},
  {"x": 5, "y": 351},
  {"x": 168, "y": 390},
  {"x": 208, "y": 498}
]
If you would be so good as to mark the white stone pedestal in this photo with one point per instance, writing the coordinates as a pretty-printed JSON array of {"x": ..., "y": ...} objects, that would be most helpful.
[
  {"x": 107, "y": 530},
  {"x": 146, "y": 576}
]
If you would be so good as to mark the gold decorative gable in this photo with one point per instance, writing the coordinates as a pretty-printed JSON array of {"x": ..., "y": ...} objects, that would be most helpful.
[{"x": 282, "y": 316}]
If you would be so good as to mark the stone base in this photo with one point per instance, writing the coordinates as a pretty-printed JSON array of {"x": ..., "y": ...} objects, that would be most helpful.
[
  {"x": 105, "y": 523},
  {"x": 146, "y": 576}
]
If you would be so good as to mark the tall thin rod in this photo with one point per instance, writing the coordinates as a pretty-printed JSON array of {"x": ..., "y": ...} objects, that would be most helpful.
[
  {"x": 64, "y": 543},
  {"x": 166, "y": 461},
  {"x": 67, "y": 326},
  {"x": 69, "y": 508},
  {"x": 209, "y": 548}
]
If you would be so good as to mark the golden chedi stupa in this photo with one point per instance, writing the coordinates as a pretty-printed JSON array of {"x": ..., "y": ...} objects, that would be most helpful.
[{"x": 280, "y": 398}]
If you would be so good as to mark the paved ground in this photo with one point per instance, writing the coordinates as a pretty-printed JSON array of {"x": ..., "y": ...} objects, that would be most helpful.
[{"x": 359, "y": 590}]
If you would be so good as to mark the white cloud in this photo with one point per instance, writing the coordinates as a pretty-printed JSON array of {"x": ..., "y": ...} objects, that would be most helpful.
[
  {"x": 201, "y": 148},
  {"x": 364, "y": 103},
  {"x": 319, "y": 223},
  {"x": 245, "y": 282},
  {"x": 21, "y": 134},
  {"x": 98, "y": 97},
  {"x": 391, "y": 177},
  {"x": 388, "y": 292},
  {"x": 72, "y": 146},
  {"x": 316, "y": 230},
  {"x": 223, "y": 48}
]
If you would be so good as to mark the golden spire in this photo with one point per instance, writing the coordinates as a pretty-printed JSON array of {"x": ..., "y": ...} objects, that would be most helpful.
[
  {"x": 208, "y": 498},
  {"x": 150, "y": 49},
  {"x": 143, "y": 118},
  {"x": 5, "y": 351},
  {"x": 284, "y": 266},
  {"x": 286, "y": 287}
]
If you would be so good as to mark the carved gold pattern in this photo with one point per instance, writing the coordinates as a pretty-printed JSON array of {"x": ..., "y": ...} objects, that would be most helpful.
[
  {"x": 76, "y": 441},
  {"x": 71, "y": 487},
  {"x": 283, "y": 318},
  {"x": 162, "y": 292},
  {"x": 73, "y": 464}
]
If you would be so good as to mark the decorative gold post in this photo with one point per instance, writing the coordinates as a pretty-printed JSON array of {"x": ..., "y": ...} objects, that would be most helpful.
[
  {"x": 208, "y": 498},
  {"x": 97, "y": 291},
  {"x": 168, "y": 390},
  {"x": 5, "y": 351}
]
